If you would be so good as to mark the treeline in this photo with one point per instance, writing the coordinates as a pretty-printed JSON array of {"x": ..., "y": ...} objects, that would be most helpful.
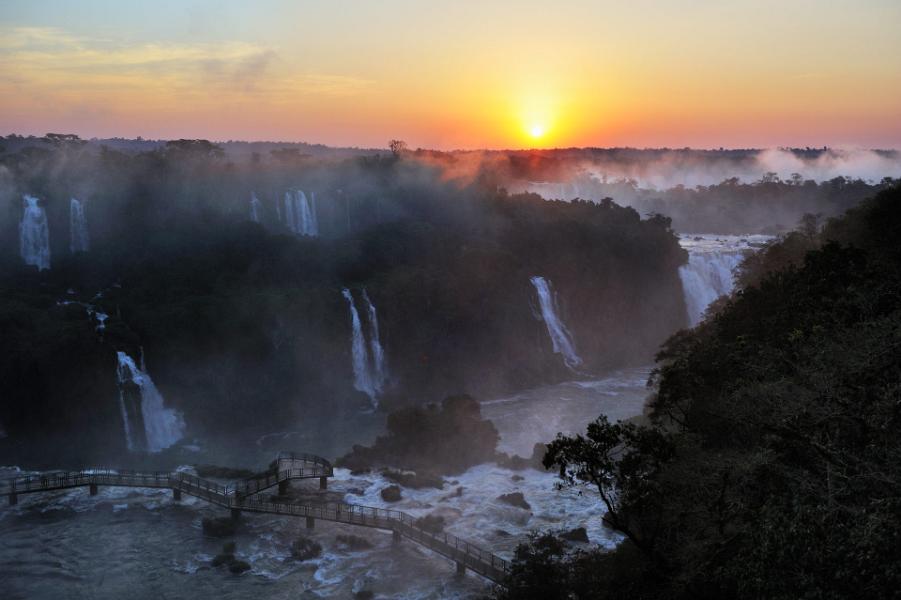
[{"x": 770, "y": 465}]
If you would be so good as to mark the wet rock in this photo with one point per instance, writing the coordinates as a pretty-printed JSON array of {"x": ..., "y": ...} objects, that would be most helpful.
[
  {"x": 575, "y": 535},
  {"x": 457, "y": 493},
  {"x": 238, "y": 566},
  {"x": 501, "y": 533},
  {"x": 353, "y": 542},
  {"x": 219, "y": 526},
  {"x": 356, "y": 491},
  {"x": 391, "y": 494},
  {"x": 447, "y": 438},
  {"x": 517, "y": 478},
  {"x": 519, "y": 463},
  {"x": 364, "y": 595},
  {"x": 431, "y": 523},
  {"x": 515, "y": 499},
  {"x": 305, "y": 549}
]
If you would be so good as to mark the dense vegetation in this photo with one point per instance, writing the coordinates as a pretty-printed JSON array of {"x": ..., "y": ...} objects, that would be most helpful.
[
  {"x": 243, "y": 325},
  {"x": 771, "y": 467}
]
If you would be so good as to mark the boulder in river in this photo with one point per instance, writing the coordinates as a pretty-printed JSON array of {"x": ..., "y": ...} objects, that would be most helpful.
[
  {"x": 575, "y": 535},
  {"x": 391, "y": 494},
  {"x": 515, "y": 499},
  {"x": 304, "y": 548}
]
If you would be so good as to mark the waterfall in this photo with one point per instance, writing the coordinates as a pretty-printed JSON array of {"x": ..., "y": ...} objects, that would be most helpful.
[
  {"x": 34, "y": 237},
  {"x": 559, "y": 334},
  {"x": 300, "y": 213},
  {"x": 711, "y": 262},
  {"x": 370, "y": 372},
  {"x": 78, "y": 227},
  {"x": 379, "y": 371},
  {"x": 141, "y": 403},
  {"x": 255, "y": 207}
]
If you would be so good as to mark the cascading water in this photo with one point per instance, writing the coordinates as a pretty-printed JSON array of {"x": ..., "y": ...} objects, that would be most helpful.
[
  {"x": 370, "y": 372},
  {"x": 34, "y": 236},
  {"x": 709, "y": 272},
  {"x": 300, "y": 213},
  {"x": 377, "y": 353},
  {"x": 559, "y": 334},
  {"x": 78, "y": 227},
  {"x": 255, "y": 208},
  {"x": 142, "y": 404}
]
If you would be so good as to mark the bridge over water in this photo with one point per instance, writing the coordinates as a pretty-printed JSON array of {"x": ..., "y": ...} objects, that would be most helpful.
[{"x": 244, "y": 496}]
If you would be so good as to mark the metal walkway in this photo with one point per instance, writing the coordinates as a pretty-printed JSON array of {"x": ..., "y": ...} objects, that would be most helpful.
[{"x": 243, "y": 496}]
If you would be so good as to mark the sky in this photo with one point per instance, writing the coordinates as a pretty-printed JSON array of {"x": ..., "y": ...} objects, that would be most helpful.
[{"x": 461, "y": 74}]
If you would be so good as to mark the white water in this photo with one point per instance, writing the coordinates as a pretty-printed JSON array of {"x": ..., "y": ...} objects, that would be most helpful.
[
  {"x": 368, "y": 359},
  {"x": 559, "y": 334},
  {"x": 255, "y": 207},
  {"x": 377, "y": 353},
  {"x": 78, "y": 227},
  {"x": 712, "y": 259},
  {"x": 162, "y": 426},
  {"x": 300, "y": 213},
  {"x": 34, "y": 236}
]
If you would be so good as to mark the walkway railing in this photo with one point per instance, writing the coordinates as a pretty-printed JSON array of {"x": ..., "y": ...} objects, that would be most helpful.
[{"x": 242, "y": 496}]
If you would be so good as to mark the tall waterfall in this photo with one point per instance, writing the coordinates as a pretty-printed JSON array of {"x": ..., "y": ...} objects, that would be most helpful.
[
  {"x": 255, "y": 208},
  {"x": 300, "y": 213},
  {"x": 78, "y": 227},
  {"x": 377, "y": 353},
  {"x": 559, "y": 334},
  {"x": 370, "y": 372},
  {"x": 711, "y": 262},
  {"x": 34, "y": 236},
  {"x": 142, "y": 404}
]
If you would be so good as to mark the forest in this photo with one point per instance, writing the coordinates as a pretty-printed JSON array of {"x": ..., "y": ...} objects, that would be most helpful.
[{"x": 767, "y": 465}]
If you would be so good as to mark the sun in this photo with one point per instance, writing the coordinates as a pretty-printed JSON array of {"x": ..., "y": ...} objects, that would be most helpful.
[{"x": 536, "y": 131}]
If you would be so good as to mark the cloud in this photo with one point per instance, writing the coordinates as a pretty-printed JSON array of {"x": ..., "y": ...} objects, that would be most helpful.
[{"x": 47, "y": 60}]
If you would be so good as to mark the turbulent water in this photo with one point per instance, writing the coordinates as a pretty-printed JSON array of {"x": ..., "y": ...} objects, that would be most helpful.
[
  {"x": 34, "y": 236},
  {"x": 78, "y": 227},
  {"x": 712, "y": 260},
  {"x": 559, "y": 334},
  {"x": 141, "y": 544},
  {"x": 368, "y": 358},
  {"x": 300, "y": 213},
  {"x": 162, "y": 427}
]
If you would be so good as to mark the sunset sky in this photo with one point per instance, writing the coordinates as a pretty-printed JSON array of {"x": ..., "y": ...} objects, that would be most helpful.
[{"x": 461, "y": 74}]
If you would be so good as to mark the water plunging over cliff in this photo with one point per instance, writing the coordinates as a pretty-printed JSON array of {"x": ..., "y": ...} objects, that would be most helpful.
[
  {"x": 34, "y": 236},
  {"x": 78, "y": 227},
  {"x": 148, "y": 424},
  {"x": 368, "y": 359},
  {"x": 300, "y": 213},
  {"x": 255, "y": 208},
  {"x": 711, "y": 261},
  {"x": 559, "y": 334}
]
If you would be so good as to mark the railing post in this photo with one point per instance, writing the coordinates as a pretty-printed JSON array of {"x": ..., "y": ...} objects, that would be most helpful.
[
  {"x": 176, "y": 494},
  {"x": 396, "y": 536}
]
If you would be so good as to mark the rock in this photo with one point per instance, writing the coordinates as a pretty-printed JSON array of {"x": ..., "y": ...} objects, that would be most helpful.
[
  {"x": 431, "y": 523},
  {"x": 219, "y": 527},
  {"x": 575, "y": 535},
  {"x": 501, "y": 533},
  {"x": 356, "y": 491},
  {"x": 519, "y": 463},
  {"x": 517, "y": 478},
  {"x": 353, "y": 542},
  {"x": 364, "y": 595},
  {"x": 305, "y": 549},
  {"x": 391, "y": 494},
  {"x": 447, "y": 438},
  {"x": 457, "y": 493},
  {"x": 515, "y": 499},
  {"x": 238, "y": 566},
  {"x": 414, "y": 480}
]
